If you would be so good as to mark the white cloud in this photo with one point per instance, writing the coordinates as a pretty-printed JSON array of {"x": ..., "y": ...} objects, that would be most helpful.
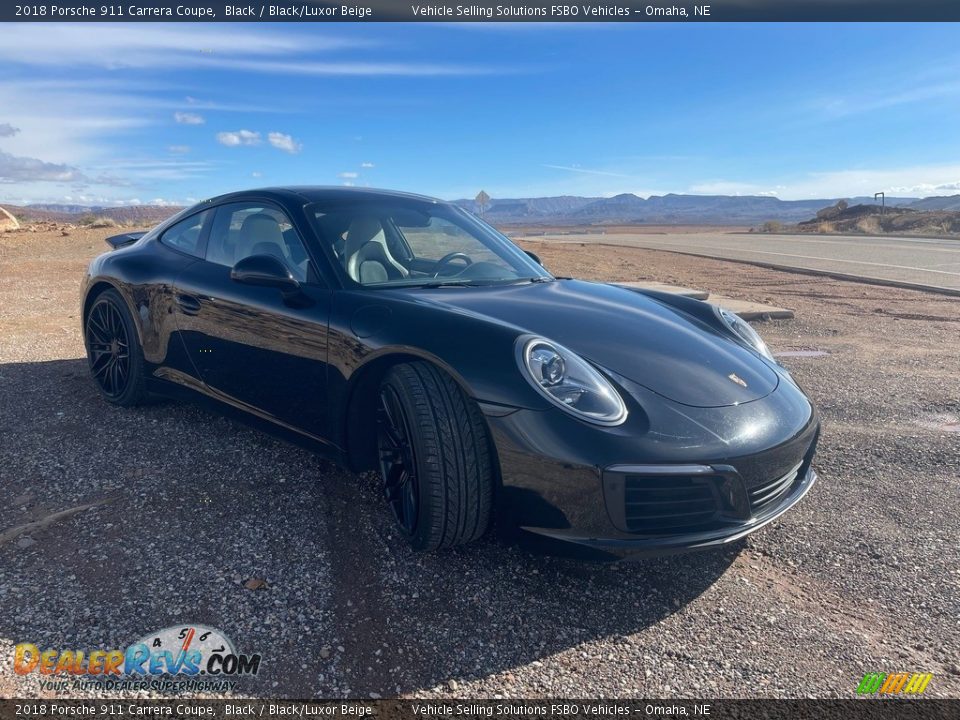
[
  {"x": 142, "y": 45},
  {"x": 254, "y": 50},
  {"x": 917, "y": 180},
  {"x": 179, "y": 149},
  {"x": 144, "y": 169},
  {"x": 8, "y": 130},
  {"x": 284, "y": 142},
  {"x": 185, "y": 118},
  {"x": 909, "y": 181},
  {"x": 927, "y": 189},
  {"x": 367, "y": 165},
  {"x": 349, "y": 175},
  {"x": 256, "y": 174},
  {"x": 726, "y": 187},
  {"x": 16, "y": 169},
  {"x": 585, "y": 171},
  {"x": 238, "y": 137},
  {"x": 349, "y": 68},
  {"x": 907, "y": 92}
]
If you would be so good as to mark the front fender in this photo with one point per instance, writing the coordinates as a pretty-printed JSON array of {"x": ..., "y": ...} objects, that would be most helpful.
[{"x": 479, "y": 354}]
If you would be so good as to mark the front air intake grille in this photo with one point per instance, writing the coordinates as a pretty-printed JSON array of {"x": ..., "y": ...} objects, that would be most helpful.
[
  {"x": 767, "y": 494},
  {"x": 659, "y": 504}
]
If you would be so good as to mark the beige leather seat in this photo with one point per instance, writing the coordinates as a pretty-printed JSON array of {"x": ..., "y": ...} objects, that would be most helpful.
[
  {"x": 366, "y": 257},
  {"x": 260, "y": 234}
]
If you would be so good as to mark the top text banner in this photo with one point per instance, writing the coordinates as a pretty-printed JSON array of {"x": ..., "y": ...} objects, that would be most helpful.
[{"x": 428, "y": 11}]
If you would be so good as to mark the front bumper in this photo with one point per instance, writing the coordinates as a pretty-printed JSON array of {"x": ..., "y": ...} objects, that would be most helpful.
[
  {"x": 671, "y": 479},
  {"x": 720, "y": 532}
]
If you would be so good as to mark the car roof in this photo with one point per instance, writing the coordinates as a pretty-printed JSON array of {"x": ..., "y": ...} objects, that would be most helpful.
[{"x": 322, "y": 193}]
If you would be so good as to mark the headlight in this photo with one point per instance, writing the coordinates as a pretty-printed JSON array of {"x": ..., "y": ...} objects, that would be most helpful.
[
  {"x": 742, "y": 329},
  {"x": 569, "y": 381}
]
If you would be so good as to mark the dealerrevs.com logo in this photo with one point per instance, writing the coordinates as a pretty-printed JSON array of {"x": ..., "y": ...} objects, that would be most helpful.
[
  {"x": 894, "y": 683},
  {"x": 175, "y": 657}
]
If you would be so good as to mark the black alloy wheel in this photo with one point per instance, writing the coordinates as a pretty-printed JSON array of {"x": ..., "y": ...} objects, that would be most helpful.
[
  {"x": 435, "y": 457},
  {"x": 113, "y": 350}
]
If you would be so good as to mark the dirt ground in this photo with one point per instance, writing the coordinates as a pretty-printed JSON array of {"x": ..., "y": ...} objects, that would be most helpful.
[{"x": 863, "y": 576}]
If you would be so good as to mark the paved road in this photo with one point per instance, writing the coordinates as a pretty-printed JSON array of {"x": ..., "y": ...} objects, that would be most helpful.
[{"x": 912, "y": 260}]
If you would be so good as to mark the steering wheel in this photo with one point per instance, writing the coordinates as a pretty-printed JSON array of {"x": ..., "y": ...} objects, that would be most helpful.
[{"x": 450, "y": 257}]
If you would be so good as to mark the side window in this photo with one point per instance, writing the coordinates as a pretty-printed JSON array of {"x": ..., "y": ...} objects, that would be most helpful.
[
  {"x": 185, "y": 235},
  {"x": 243, "y": 229}
]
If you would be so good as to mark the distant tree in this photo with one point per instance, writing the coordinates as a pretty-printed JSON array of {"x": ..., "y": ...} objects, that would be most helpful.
[
  {"x": 771, "y": 226},
  {"x": 482, "y": 201}
]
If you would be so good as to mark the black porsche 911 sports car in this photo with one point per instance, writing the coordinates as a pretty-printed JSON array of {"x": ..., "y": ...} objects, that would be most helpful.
[{"x": 403, "y": 334}]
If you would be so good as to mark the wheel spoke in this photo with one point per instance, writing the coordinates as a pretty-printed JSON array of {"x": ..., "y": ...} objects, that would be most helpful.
[
  {"x": 389, "y": 422},
  {"x": 97, "y": 327},
  {"x": 106, "y": 317},
  {"x": 102, "y": 368},
  {"x": 409, "y": 506},
  {"x": 397, "y": 462},
  {"x": 111, "y": 317}
]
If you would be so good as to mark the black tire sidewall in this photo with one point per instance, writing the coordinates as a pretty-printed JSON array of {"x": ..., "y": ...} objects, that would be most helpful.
[{"x": 428, "y": 426}]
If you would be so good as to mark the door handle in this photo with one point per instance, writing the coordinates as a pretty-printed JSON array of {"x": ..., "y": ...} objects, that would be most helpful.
[{"x": 189, "y": 304}]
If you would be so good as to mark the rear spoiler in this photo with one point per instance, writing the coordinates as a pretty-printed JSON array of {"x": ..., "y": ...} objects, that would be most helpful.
[{"x": 118, "y": 241}]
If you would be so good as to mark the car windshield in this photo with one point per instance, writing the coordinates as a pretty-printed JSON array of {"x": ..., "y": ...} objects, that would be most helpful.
[{"x": 402, "y": 243}]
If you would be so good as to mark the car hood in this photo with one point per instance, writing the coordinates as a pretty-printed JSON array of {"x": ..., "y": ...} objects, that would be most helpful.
[{"x": 625, "y": 332}]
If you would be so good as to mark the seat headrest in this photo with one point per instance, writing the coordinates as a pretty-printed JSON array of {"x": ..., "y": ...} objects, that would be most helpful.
[
  {"x": 361, "y": 231},
  {"x": 260, "y": 227}
]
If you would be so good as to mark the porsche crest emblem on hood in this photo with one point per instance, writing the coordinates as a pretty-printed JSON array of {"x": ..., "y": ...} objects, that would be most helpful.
[{"x": 737, "y": 379}]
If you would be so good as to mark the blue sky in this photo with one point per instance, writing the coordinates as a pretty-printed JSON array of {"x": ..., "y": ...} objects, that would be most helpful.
[{"x": 146, "y": 113}]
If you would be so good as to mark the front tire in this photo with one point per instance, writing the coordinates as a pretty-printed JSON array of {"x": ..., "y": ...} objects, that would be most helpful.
[
  {"x": 113, "y": 350},
  {"x": 434, "y": 457}
]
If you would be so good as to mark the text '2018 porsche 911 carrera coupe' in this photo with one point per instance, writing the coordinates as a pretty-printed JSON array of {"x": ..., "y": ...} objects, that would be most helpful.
[{"x": 402, "y": 334}]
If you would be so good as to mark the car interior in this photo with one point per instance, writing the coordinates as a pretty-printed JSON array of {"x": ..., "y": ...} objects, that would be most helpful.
[
  {"x": 385, "y": 245},
  {"x": 257, "y": 233},
  {"x": 366, "y": 256}
]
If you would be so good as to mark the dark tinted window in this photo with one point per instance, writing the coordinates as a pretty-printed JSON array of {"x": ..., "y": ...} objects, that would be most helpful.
[
  {"x": 244, "y": 229},
  {"x": 185, "y": 235}
]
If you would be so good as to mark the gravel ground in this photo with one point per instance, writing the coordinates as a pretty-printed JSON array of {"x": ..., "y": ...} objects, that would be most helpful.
[{"x": 187, "y": 506}]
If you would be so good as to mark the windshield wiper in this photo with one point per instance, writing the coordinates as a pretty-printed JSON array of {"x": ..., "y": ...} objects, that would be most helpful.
[
  {"x": 483, "y": 283},
  {"x": 450, "y": 283},
  {"x": 517, "y": 281}
]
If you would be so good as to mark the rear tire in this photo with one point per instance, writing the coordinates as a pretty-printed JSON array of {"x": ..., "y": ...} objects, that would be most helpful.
[
  {"x": 434, "y": 457},
  {"x": 113, "y": 351}
]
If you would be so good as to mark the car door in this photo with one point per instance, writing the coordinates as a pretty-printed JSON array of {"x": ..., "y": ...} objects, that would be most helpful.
[
  {"x": 180, "y": 245},
  {"x": 255, "y": 347}
]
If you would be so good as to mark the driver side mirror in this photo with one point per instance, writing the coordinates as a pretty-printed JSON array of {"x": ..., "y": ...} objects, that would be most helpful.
[
  {"x": 264, "y": 271},
  {"x": 535, "y": 257},
  {"x": 268, "y": 271}
]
